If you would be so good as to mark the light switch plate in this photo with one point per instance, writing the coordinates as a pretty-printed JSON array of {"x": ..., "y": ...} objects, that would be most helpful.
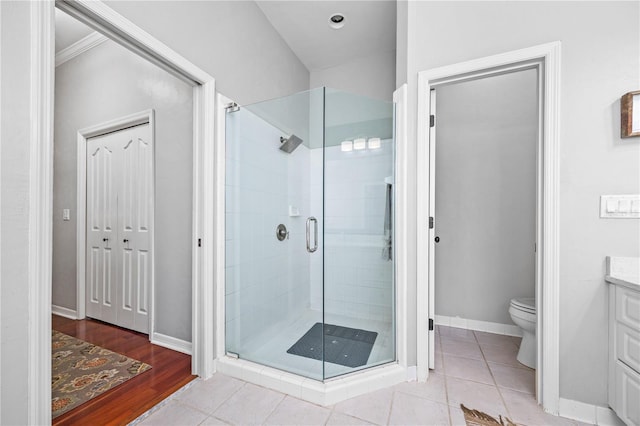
[{"x": 620, "y": 206}]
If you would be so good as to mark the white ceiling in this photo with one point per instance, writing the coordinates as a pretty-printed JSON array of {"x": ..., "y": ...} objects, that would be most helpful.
[
  {"x": 69, "y": 30},
  {"x": 370, "y": 28}
]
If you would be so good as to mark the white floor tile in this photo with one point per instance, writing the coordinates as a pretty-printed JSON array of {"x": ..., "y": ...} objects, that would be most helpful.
[
  {"x": 373, "y": 407},
  {"x": 339, "y": 419},
  {"x": 523, "y": 409},
  {"x": 477, "y": 396},
  {"x": 175, "y": 413},
  {"x": 433, "y": 389},
  {"x": 514, "y": 378},
  {"x": 468, "y": 369},
  {"x": 502, "y": 354},
  {"x": 412, "y": 410},
  {"x": 250, "y": 405},
  {"x": 463, "y": 348},
  {"x": 292, "y": 411},
  {"x": 457, "y": 333},
  {"x": 485, "y": 338},
  {"x": 213, "y": 421},
  {"x": 457, "y": 416},
  {"x": 208, "y": 395}
]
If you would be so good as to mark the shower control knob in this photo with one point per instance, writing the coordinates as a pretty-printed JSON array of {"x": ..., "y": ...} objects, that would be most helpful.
[
  {"x": 281, "y": 232},
  {"x": 437, "y": 239}
]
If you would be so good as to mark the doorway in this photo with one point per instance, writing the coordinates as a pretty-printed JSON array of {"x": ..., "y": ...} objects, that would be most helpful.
[
  {"x": 545, "y": 59},
  {"x": 485, "y": 132}
]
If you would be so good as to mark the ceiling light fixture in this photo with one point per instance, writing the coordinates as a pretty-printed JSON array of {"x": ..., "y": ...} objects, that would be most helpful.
[{"x": 336, "y": 21}]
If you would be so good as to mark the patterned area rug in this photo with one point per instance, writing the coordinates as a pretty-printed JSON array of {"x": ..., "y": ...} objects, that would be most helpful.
[
  {"x": 478, "y": 418},
  {"x": 81, "y": 371}
]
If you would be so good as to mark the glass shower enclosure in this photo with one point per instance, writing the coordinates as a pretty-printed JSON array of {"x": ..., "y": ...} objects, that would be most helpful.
[{"x": 309, "y": 233}]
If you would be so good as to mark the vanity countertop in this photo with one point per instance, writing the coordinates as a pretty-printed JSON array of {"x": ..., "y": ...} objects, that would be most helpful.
[{"x": 624, "y": 271}]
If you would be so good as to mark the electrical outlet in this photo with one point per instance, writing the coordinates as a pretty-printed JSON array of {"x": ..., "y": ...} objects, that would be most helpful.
[{"x": 66, "y": 214}]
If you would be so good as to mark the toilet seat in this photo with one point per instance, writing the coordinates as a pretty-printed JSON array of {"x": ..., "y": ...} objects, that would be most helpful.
[{"x": 525, "y": 304}]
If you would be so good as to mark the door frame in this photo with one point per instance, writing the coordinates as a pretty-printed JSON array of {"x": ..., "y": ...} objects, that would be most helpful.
[
  {"x": 119, "y": 29},
  {"x": 135, "y": 119},
  {"x": 546, "y": 58}
]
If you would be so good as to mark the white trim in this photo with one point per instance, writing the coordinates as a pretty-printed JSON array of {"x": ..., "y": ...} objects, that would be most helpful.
[
  {"x": 204, "y": 319},
  {"x": 219, "y": 218},
  {"x": 116, "y": 27},
  {"x": 548, "y": 291},
  {"x": 402, "y": 250},
  {"x": 40, "y": 213},
  {"x": 64, "y": 312},
  {"x": 102, "y": 18},
  {"x": 314, "y": 391},
  {"x": 142, "y": 117},
  {"x": 172, "y": 343},
  {"x": 477, "y": 325},
  {"x": 79, "y": 47},
  {"x": 588, "y": 413}
]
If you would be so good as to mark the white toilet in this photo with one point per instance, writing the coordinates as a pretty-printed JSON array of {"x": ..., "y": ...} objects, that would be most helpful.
[{"x": 523, "y": 313}]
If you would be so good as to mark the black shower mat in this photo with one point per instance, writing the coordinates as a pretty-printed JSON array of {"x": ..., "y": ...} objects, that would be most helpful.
[{"x": 346, "y": 346}]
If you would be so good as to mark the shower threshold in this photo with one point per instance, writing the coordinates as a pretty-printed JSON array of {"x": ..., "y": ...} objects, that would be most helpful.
[{"x": 329, "y": 392}]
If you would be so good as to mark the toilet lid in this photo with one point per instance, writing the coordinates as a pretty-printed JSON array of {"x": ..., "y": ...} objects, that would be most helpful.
[{"x": 527, "y": 304}]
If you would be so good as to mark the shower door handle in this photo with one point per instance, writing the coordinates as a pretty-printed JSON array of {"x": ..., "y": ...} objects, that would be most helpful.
[{"x": 315, "y": 234}]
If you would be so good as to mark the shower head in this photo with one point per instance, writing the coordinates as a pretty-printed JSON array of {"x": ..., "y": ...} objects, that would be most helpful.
[{"x": 289, "y": 144}]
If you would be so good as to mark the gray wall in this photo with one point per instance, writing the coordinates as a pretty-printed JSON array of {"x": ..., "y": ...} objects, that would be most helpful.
[
  {"x": 599, "y": 64},
  {"x": 486, "y": 195},
  {"x": 231, "y": 40},
  {"x": 105, "y": 83},
  {"x": 14, "y": 223},
  {"x": 373, "y": 76}
]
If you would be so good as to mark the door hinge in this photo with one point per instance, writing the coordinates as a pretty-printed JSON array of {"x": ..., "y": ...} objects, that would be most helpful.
[
  {"x": 232, "y": 107},
  {"x": 430, "y": 324},
  {"x": 432, "y": 120},
  {"x": 430, "y": 222},
  {"x": 199, "y": 242}
]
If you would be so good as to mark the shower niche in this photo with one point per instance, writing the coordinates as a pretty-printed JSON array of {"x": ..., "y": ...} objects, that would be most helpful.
[{"x": 309, "y": 224}]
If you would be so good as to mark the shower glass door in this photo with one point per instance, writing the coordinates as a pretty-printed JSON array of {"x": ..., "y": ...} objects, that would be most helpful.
[
  {"x": 309, "y": 233},
  {"x": 274, "y": 274}
]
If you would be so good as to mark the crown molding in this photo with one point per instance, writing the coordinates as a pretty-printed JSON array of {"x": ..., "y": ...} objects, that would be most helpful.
[{"x": 79, "y": 47}]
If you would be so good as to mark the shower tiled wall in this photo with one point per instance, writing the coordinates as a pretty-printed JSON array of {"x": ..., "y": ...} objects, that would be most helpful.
[
  {"x": 358, "y": 281},
  {"x": 267, "y": 281}
]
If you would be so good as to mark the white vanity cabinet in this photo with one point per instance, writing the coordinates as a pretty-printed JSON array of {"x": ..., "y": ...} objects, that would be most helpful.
[{"x": 624, "y": 339}]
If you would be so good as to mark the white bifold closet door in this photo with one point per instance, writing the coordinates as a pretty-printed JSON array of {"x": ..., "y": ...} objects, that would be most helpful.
[{"x": 119, "y": 221}]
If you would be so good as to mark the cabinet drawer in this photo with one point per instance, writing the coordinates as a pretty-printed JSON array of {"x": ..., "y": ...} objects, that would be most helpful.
[
  {"x": 628, "y": 346},
  {"x": 628, "y": 307},
  {"x": 627, "y": 404}
]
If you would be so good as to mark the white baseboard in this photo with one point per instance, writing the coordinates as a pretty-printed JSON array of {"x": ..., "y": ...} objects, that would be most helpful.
[
  {"x": 594, "y": 414},
  {"x": 171, "y": 343},
  {"x": 64, "y": 312},
  {"x": 412, "y": 373},
  {"x": 476, "y": 325}
]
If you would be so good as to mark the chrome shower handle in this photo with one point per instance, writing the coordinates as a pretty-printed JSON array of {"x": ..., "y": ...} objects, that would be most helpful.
[{"x": 315, "y": 234}]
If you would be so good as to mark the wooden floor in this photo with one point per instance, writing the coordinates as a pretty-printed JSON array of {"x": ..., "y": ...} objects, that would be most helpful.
[{"x": 170, "y": 371}]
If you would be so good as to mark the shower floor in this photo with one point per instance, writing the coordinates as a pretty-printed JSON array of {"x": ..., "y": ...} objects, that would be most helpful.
[{"x": 271, "y": 350}]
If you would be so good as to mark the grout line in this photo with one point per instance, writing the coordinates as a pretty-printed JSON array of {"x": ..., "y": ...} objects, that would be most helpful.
[
  {"x": 274, "y": 408},
  {"x": 504, "y": 403}
]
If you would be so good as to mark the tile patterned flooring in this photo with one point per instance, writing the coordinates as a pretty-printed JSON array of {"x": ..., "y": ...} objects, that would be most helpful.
[{"x": 475, "y": 368}]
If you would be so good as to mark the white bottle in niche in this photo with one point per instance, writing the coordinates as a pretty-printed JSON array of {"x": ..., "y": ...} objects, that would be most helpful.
[{"x": 293, "y": 211}]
